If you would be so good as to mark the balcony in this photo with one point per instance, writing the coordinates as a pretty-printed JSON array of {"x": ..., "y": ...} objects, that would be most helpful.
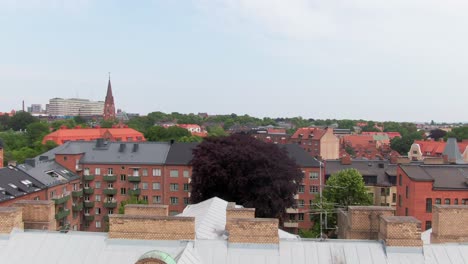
[
  {"x": 78, "y": 167},
  {"x": 292, "y": 210},
  {"x": 88, "y": 190},
  {"x": 77, "y": 207},
  {"x": 109, "y": 191},
  {"x": 62, "y": 214},
  {"x": 88, "y": 217},
  {"x": 134, "y": 192},
  {"x": 62, "y": 199},
  {"x": 110, "y": 178},
  {"x": 88, "y": 177},
  {"x": 110, "y": 204},
  {"x": 88, "y": 204},
  {"x": 134, "y": 178},
  {"x": 77, "y": 194},
  {"x": 291, "y": 224}
]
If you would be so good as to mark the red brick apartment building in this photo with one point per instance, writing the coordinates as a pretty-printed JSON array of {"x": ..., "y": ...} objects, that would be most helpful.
[
  {"x": 420, "y": 186},
  {"x": 320, "y": 143}
]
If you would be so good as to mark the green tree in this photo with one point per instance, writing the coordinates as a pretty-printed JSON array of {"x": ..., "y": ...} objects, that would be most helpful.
[
  {"x": 158, "y": 133},
  {"x": 460, "y": 133},
  {"x": 346, "y": 188},
  {"x": 216, "y": 131},
  {"x": 36, "y": 131},
  {"x": 403, "y": 144},
  {"x": 190, "y": 139},
  {"x": 69, "y": 123},
  {"x": 4, "y": 122},
  {"x": 131, "y": 200},
  {"x": 108, "y": 123},
  {"x": 21, "y": 120}
]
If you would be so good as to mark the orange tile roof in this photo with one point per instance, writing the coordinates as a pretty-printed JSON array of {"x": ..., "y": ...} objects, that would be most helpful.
[
  {"x": 87, "y": 134},
  {"x": 436, "y": 148},
  {"x": 309, "y": 133},
  {"x": 389, "y": 134}
]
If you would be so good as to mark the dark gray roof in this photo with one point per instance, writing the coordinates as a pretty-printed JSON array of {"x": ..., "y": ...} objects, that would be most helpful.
[
  {"x": 445, "y": 177},
  {"x": 48, "y": 172},
  {"x": 452, "y": 151},
  {"x": 381, "y": 169},
  {"x": 300, "y": 156},
  {"x": 15, "y": 183},
  {"x": 180, "y": 153}
]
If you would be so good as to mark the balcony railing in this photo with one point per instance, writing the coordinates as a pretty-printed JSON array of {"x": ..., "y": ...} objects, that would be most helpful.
[
  {"x": 134, "y": 192},
  {"x": 110, "y": 204},
  {"x": 78, "y": 193},
  {"x": 61, "y": 199},
  {"x": 77, "y": 207},
  {"x": 78, "y": 167},
  {"x": 88, "y": 217},
  {"x": 109, "y": 191},
  {"x": 88, "y": 204},
  {"x": 62, "y": 214},
  {"x": 88, "y": 190},
  {"x": 134, "y": 178},
  {"x": 88, "y": 177},
  {"x": 292, "y": 224},
  {"x": 110, "y": 178},
  {"x": 292, "y": 210}
]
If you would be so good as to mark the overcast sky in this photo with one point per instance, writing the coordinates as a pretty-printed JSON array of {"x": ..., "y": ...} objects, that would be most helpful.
[{"x": 403, "y": 60}]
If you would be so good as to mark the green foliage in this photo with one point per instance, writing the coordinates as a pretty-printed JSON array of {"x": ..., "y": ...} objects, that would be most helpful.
[
  {"x": 4, "y": 122},
  {"x": 190, "y": 139},
  {"x": 350, "y": 150},
  {"x": 108, "y": 123},
  {"x": 21, "y": 120},
  {"x": 80, "y": 121},
  {"x": 158, "y": 133},
  {"x": 403, "y": 144},
  {"x": 131, "y": 200},
  {"x": 36, "y": 131},
  {"x": 346, "y": 188},
  {"x": 404, "y": 128},
  {"x": 329, "y": 217},
  {"x": 216, "y": 131},
  {"x": 459, "y": 133},
  {"x": 346, "y": 124},
  {"x": 69, "y": 123}
]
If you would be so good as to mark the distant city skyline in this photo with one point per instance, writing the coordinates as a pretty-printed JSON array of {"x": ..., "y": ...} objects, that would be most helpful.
[{"x": 359, "y": 59}]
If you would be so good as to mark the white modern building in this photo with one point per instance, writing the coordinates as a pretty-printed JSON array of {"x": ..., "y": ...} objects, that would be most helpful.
[{"x": 74, "y": 107}]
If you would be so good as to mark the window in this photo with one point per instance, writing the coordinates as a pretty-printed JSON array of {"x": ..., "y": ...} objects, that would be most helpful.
[
  {"x": 110, "y": 171},
  {"x": 86, "y": 211},
  {"x": 145, "y": 198},
  {"x": 455, "y": 201},
  {"x": 399, "y": 180},
  {"x": 174, "y": 200},
  {"x": 301, "y": 189},
  {"x": 186, "y": 174},
  {"x": 407, "y": 191},
  {"x": 136, "y": 172},
  {"x": 464, "y": 201},
  {"x": 97, "y": 171},
  {"x": 86, "y": 171},
  {"x": 110, "y": 211},
  {"x": 174, "y": 187},
  {"x": 98, "y": 224},
  {"x": 123, "y": 177},
  {"x": 313, "y": 189},
  {"x": 156, "y": 186},
  {"x": 406, "y": 211},
  {"x": 144, "y": 185},
  {"x": 75, "y": 187},
  {"x": 97, "y": 185},
  {"x": 174, "y": 173},
  {"x": 428, "y": 225},
  {"x": 313, "y": 175},
  {"x": 384, "y": 191},
  {"x": 292, "y": 217},
  {"x": 447, "y": 201},
  {"x": 156, "y": 172},
  {"x": 65, "y": 158},
  {"x": 300, "y": 217},
  {"x": 110, "y": 185},
  {"x": 86, "y": 198},
  {"x": 144, "y": 172},
  {"x": 123, "y": 191},
  {"x": 86, "y": 184},
  {"x": 36, "y": 198},
  {"x": 399, "y": 200},
  {"x": 393, "y": 197},
  {"x": 186, "y": 187},
  {"x": 186, "y": 201},
  {"x": 98, "y": 198},
  {"x": 157, "y": 199},
  {"x": 97, "y": 210},
  {"x": 428, "y": 205},
  {"x": 438, "y": 201},
  {"x": 52, "y": 194},
  {"x": 300, "y": 203}
]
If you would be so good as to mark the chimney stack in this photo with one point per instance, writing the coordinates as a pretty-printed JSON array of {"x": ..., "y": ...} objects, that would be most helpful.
[
  {"x": 38, "y": 214},
  {"x": 449, "y": 224},
  {"x": 400, "y": 231},
  {"x": 10, "y": 218},
  {"x": 346, "y": 160},
  {"x": 146, "y": 210}
]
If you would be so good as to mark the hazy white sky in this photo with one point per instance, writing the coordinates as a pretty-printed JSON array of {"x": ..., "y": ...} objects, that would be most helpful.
[{"x": 370, "y": 59}]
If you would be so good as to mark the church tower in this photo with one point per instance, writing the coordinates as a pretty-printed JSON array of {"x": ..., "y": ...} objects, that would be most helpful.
[{"x": 109, "y": 107}]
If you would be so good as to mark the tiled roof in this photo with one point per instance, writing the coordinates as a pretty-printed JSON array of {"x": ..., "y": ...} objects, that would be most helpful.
[
  {"x": 309, "y": 133},
  {"x": 88, "y": 134},
  {"x": 451, "y": 177},
  {"x": 381, "y": 169},
  {"x": 436, "y": 148}
]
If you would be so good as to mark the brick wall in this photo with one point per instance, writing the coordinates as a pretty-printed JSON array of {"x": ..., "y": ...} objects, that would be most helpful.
[
  {"x": 240, "y": 213},
  {"x": 146, "y": 210},
  {"x": 151, "y": 227},
  {"x": 10, "y": 217},
  {"x": 38, "y": 214},
  {"x": 256, "y": 230},
  {"x": 449, "y": 223},
  {"x": 400, "y": 231},
  {"x": 362, "y": 222}
]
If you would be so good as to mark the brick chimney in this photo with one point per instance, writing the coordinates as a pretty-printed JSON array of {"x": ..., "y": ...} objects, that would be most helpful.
[
  {"x": 146, "y": 210},
  {"x": 253, "y": 230},
  {"x": 400, "y": 231},
  {"x": 151, "y": 227},
  {"x": 362, "y": 222},
  {"x": 10, "y": 218},
  {"x": 38, "y": 214},
  {"x": 449, "y": 223},
  {"x": 232, "y": 213}
]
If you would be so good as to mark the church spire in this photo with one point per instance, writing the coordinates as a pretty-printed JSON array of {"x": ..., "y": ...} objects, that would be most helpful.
[{"x": 109, "y": 107}]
